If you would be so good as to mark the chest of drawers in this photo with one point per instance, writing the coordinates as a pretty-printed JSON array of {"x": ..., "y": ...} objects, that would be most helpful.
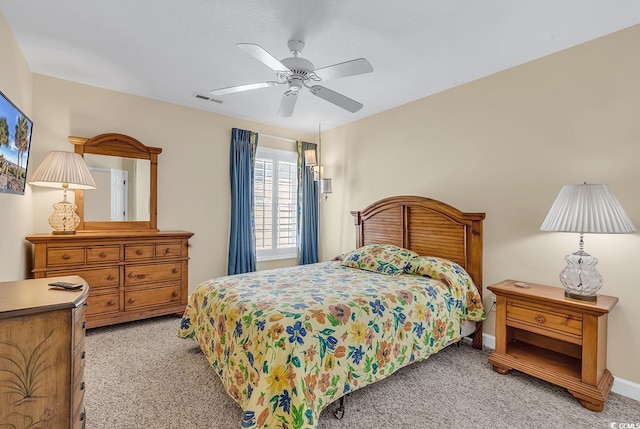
[
  {"x": 42, "y": 354},
  {"x": 133, "y": 275}
]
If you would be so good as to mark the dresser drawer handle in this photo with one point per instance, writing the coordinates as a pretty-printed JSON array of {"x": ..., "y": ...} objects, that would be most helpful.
[
  {"x": 66, "y": 257},
  {"x": 539, "y": 319},
  {"x": 103, "y": 255},
  {"x": 111, "y": 303},
  {"x": 110, "y": 277},
  {"x": 82, "y": 386},
  {"x": 174, "y": 294},
  {"x": 132, "y": 300},
  {"x": 167, "y": 250},
  {"x": 175, "y": 271},
  {"x": 137, "y": 276},
  {"x": 139, "y": 252}
]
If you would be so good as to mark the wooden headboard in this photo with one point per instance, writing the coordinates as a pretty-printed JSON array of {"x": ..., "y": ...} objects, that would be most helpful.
[{"x": 426, "y": 226}]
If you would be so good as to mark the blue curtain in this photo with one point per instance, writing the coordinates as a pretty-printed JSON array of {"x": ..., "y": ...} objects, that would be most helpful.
[
  {"x": 242, "y": 247},
  {"x": 307, "y": 209}
]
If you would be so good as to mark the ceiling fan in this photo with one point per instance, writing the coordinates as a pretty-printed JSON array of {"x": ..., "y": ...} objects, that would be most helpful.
[{"x": 297, "y": 72}]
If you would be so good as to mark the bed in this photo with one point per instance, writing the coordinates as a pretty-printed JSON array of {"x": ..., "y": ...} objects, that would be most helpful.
[{"x": 288, "y": 342}]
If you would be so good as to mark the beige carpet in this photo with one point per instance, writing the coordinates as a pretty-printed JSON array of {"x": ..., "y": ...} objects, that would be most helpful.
[{"x": 141, "y": 375}]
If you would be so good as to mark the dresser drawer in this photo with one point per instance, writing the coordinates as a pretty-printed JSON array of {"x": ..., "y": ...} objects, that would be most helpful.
[
  {"x": 79, "y": 420},
  {"x": 544, "y": 319},
  {"x": 79, "y": 359},
  {"x": 65, "y": 256},
  {"x": 100, "y": 254},
  {"x": 80, "y": 324},
  {"x": 140, "y": 274},
  {"x": 102, "y": 304},
  {"x": 151, "y": 297},
  {"x": 137, "y": 252},
  {"x": 168, "y": 250},
  {"x": 97, "y": 278},
  {"x": 78, "y": 396}
]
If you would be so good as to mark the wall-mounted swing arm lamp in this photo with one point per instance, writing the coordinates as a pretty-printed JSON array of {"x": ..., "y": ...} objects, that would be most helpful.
[
  {"x": 66, "y": 170},
  {"x": 586, "y": 208},
  {"x": 310, "y": 157},
  {"x": 325, "y": 187}
]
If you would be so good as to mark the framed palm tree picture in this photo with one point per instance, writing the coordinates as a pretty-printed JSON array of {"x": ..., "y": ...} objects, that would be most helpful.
[{"x": 15, "y": 140}]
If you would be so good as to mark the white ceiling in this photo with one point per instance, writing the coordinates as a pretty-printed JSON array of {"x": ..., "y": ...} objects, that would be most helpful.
[{"x": 170, "y": 49}]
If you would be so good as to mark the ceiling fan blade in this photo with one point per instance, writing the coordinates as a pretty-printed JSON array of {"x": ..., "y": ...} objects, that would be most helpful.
[
  {"x": 335, "y": 98},
  {"x": 240, "y": 88},
  {"x": 345, "y": 69},
  {"x": 263, "y": 56},
  {"x": 288, "y": 103}
]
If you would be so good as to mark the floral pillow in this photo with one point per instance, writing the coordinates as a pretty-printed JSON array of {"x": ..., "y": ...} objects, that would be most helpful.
[
  {"x": 380, "y": 258},
  {"x": 454, "y": 276}
]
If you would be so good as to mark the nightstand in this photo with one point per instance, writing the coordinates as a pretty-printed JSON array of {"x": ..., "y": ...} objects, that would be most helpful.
[{"x": 557, "y": 339}]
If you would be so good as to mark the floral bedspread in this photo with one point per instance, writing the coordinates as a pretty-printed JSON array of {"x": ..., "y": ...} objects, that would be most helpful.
[{"x": 288, "y": 342}]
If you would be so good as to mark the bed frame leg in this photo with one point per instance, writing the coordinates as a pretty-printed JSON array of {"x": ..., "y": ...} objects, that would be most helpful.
[{"x": 339, "y": 412}]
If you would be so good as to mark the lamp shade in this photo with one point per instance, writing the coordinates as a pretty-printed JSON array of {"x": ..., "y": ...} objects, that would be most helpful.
[
  {"x": 325, "y": 186},
  {"x": 587, "y": 208},
  {"x": 63, "y": 170},
  {"x": 310, "y": 158}
]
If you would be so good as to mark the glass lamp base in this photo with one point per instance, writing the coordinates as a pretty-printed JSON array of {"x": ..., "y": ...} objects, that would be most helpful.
[{"x": 580, "y": 277}]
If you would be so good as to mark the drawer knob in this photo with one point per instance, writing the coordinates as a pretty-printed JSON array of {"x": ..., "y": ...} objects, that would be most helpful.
[
  {"x": 139, "y": 252},
  {"x": 175, "y": 271},
  {"x": 103, "y": 255},
  {"x": 175, "y": 293},
  {"x": 110, "y": 277},
  {"x": 111, "y": 303},
  {"x": 132, "y": 300},
  {"x": 66, "y": 257},
  {"x": 167, "y": 250},
  {"x": 539, "y": 319}
]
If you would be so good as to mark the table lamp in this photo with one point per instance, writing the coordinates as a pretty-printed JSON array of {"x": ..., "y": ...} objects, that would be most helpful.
[
  {"x": 586, "y": 208},
  {"x": 66, "y": 170}
]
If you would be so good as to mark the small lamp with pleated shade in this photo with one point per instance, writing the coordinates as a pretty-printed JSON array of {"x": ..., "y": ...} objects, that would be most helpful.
[
  {"x": 586, "y": 208},
  {"x": 66, "y": 170}
]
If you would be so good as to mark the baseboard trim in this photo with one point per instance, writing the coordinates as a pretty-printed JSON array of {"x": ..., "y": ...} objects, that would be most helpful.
[{"x": 620, "y": 385}]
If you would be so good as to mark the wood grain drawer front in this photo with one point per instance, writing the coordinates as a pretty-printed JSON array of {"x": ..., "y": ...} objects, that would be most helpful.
[
  {"x": 79, "y": 325},
  {"x": 78, "y": 396},
  {"x": 97, "y": 278},
  {"x": 106, "y": 254},
  {"x": 65, "y": 256},
  {"x": 137, "y": 252},
  {"x": 79, "y": 360},
  {"x": 168, "y": 250},
  {"x": 101, "y": 304},
  {"x": 548, "y": 320},
  {"x": 140, "y": 274},
  {"x": 152, "y": 297},
  {"x": 79, "y": 420}
]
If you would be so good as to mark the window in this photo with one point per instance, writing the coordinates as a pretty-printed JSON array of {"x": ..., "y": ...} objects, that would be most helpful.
[{"x": 275, "y": 203}]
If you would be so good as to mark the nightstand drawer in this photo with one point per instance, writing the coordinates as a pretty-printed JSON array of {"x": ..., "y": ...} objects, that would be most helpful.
[{"x": 521, "y": 313}]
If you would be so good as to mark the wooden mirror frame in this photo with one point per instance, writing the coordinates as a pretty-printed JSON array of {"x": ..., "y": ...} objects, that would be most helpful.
[{"x": 113, "y": 144}]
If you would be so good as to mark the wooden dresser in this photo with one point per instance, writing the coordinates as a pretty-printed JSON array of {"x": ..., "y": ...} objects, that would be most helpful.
[
  {"x": 133, "y": 274},
  {"x": 42, "y": 355}
]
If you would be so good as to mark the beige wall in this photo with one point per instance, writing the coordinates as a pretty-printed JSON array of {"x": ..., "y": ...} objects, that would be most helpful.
[
  {"x": 505, "y": 145},
  {"x": 15, "y": 210},
  {"x": 193, "y": 168}
]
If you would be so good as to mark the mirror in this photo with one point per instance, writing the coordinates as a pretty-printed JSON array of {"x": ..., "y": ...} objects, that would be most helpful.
[
  {"x": 125, "y": 171},
  {"x": 122, "y": 189}
]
